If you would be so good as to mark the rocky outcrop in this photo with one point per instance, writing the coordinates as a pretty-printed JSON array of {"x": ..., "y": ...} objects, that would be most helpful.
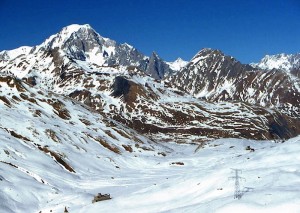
[{"x": 157, "y": 68}]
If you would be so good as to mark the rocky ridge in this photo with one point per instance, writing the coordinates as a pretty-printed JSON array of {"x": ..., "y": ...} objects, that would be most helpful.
[
  {"x": 213, "y": 76},
  {"x": 213, "y": 96}
]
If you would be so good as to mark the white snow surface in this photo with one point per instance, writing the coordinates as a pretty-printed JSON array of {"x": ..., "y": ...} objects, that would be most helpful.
[
  {"x": 188, "y": 179},
  {"x": 141, "y": 181},
  {"x": 281, "y": 61},
  {"x": 177, "y": 64},
  {"x": 202, "y": 185},
  {"x": 11, "y": 54}
]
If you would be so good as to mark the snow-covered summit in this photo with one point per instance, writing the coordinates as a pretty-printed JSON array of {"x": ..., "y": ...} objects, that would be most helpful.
[
  {"x": 68, "y": 30},
  {"x": 285, "y": 62},
  {"x": 75, "y": 43},
  {"x": 177, "y": 64},
  {"x": 58, "y": 39},
  {"x": 80, "y": 42}
]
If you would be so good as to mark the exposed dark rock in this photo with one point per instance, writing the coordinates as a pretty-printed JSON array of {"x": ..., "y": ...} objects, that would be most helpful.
[
  {"x": 120, "y": 87},
  {"x": 157, "y": 68},
  {"x": 30, "y": 80},
  {"x": 217, "y": 77},
  {"x": 101, "y": 197}
]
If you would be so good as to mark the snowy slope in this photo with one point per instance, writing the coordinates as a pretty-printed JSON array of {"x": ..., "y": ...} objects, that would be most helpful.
[
  {"x": 50, "y": 142},
  {"x": 202, "y": 184},
  {"x": 189, "y": 179},
  {"x": 57, "y": 153},
  {"x": 12, "y": 54},
  {"x": 80, "y": 116}
]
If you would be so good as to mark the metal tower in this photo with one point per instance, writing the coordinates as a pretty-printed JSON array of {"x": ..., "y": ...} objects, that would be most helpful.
[{"x": 237, "y": 192}]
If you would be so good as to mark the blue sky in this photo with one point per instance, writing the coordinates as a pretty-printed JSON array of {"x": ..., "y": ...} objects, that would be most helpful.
[{"x": 247, "y": 30}]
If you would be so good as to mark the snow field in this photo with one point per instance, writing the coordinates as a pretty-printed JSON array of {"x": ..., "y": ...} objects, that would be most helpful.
[{"x": 151, "y": 184}]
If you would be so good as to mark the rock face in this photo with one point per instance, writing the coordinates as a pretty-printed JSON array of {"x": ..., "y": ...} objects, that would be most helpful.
[
  {"x": 212, "y": 96},
  {"x": 120, "y": 87},
  {"x": 125, "y": 89},
  {"x": 157, "y": 68}
]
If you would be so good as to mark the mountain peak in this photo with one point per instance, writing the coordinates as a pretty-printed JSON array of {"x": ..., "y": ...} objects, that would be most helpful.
[
  {"x": 157, "y": 67},
  {"x": 204, "y": 53},
  {"x": 155, "y": 55},
  {"x": 76, "y": 27},
  {"x": 58, "y": 40},
  {"x": 282, "y": 61},
  {"x": 68, "y": 30},
  {"x": 179, "y": 59},
  {"x": 177, "y": 64}
]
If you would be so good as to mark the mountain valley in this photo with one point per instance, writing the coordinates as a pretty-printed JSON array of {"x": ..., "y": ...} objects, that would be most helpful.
[{"x": 82, "y": 114}]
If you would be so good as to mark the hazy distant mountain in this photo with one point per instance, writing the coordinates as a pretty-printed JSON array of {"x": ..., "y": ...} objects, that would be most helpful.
[
  {"x": 177, "y": 64},
  {"x": 286, "y": 62}
]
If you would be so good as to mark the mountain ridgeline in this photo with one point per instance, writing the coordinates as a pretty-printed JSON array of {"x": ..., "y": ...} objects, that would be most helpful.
[{"x": 211, "y": 96}]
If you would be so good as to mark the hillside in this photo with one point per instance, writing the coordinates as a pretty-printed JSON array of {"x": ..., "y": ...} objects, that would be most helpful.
[
  {"x": 82, "y": 114},
  {"x": 120, "y": 82}
]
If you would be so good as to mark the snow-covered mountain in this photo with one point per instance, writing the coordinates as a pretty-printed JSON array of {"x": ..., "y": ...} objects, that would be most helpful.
[
  {"x": 81, "y": 43},
  {"x": 286, "y": 62},
  {"x": 117, "y": 80},
  {"x": 82, "y": 114},
  {"x": 75, "y": 43},
  {"x": 57, "y": 154},
  {"x": 177, "y": 64},
  {"x": 216, "y": 77},
  {"x": 11, "y": 54},
  {"x": 290, "y": 63}
]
